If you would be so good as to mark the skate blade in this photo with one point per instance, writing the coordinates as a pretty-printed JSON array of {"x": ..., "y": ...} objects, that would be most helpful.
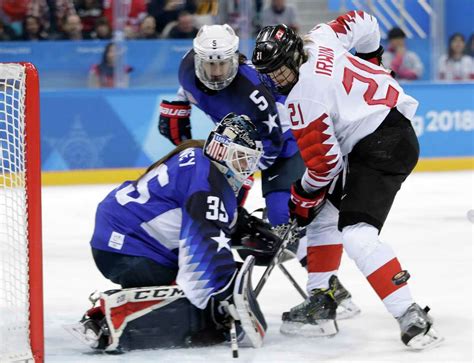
[
  {"x": 347, "y": 309},
  {"x": 85, "y": 336},
  {"x": 324, "y": 328},
  {"x": 425, "y": 341}
]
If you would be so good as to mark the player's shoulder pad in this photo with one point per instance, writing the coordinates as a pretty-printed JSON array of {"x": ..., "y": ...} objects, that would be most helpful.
[{"x": 186, "y": 71}]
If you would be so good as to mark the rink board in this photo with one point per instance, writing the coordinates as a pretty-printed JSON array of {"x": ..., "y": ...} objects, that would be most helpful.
[{"x": 104, "y": 135}]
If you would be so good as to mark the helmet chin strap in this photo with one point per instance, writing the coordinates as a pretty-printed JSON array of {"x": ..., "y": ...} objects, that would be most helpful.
[{"x": 234, "y": 183}]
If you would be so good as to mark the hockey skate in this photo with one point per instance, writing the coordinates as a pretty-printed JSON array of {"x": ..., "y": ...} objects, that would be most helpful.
[
  {"x": 417, "y": 330},
  {"x": 92, "y": 330},
  {"x": 346, "y": 308},
  {"x": 314, "y": 317}
]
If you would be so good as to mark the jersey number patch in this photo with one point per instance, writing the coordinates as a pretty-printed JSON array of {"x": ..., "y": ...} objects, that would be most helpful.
[
  {"x": 260, "y": 101},
  {"x": 216, "y": 210},
  {"x": 143, "y": 194},
  {"x": 390, "y": 99},
  {"x": 296, "y": 116}
]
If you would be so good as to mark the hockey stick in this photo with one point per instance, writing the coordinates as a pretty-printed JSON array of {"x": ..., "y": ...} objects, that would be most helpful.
[
  {"x": 293, "y": 281},
  {"x": 285, "y": 239}
]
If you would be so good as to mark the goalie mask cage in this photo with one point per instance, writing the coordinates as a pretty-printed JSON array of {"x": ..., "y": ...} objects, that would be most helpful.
[{"x": 21, "y": 300}]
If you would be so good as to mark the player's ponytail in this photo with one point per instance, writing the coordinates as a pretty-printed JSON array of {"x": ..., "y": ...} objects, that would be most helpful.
[{"x": 184, "y": 145}]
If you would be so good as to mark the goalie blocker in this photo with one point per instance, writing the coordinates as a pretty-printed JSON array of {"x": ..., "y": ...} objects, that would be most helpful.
[{"x": 162, "y": 317}]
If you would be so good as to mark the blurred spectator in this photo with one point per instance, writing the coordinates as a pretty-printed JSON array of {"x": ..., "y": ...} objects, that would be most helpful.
[
  {"x": 129, "y": 32},
  {"x": 135, "y": 9},
  {"x": 6, "y": 32},
  {"x": 184, "y": 28},
  {"x": 280, "y": 13},
  {"x": 51, "y": 13},
  {"x": 456, "y": 65},
  {"x": 32, "y": 29},
  {"x": 102, "y": 30},
  {"x": 72, "y": 29},
  {"x": 14, "y": 10},
  {"x": 102, "y": 75},
  {"x": 166, "y": 11},
  {"x": 89, "y": 11},
  {"x": 148, "y": 28},
  {"x": 470, "y": 46},
  {"x": 406, "y": 64}
]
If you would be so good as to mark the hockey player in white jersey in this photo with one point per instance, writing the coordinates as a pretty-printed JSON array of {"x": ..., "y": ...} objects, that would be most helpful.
[{"x": 351, "y": 120}]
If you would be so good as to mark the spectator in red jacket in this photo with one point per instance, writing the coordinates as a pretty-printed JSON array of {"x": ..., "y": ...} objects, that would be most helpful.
[
  {"x": 405, "y": 63},
  {"x": 89, "y": 11},
  {"x": 135, "y": 13},
  {"x": 102, "y": 75}
]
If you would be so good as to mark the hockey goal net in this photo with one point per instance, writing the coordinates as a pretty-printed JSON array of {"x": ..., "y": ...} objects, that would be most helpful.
[{"x": 21, "y": 303}]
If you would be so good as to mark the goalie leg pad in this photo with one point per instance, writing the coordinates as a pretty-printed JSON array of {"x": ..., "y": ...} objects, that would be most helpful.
[
  {"x": 146, "y": 318},
  {"x": 250, "y": 316}
]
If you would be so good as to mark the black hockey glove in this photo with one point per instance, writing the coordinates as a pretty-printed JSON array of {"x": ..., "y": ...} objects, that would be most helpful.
[
  {"x": 174, "y": 123},
  {"x": 305, "y": 206},
  {"x": 374, "y": 57},
  {"x": 253, "y": 236}
]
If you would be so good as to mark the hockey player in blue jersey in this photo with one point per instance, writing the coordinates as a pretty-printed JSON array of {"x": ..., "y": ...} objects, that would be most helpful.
[
  {"x": 172, "y": 226},
  {"x": 216, "y": 78}
]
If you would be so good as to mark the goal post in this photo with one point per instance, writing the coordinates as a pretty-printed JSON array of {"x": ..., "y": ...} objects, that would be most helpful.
[{"x": 21, "y": 282}]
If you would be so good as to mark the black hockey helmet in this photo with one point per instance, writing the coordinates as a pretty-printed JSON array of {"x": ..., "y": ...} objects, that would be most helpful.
[{"x": 277, "y": 46}]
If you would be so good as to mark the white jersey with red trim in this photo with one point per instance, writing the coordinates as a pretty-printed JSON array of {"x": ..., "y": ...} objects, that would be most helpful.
[{"x": 340, "y": 98}]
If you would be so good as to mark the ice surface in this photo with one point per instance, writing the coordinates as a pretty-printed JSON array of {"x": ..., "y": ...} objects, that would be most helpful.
[{"x": 428, "y": 228}]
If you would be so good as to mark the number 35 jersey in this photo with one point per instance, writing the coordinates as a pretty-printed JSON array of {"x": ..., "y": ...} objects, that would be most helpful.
[
  {"x": 340, "y": 98},
  {"x": 179, "y": 215}
]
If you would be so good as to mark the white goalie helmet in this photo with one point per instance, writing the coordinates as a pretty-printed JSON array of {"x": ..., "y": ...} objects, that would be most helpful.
[
  {"x": 235, "y": 148},
  {"x": 216, "y": 58}
]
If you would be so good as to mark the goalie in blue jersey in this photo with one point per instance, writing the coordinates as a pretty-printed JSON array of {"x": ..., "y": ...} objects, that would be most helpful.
[{"x": 165, "y": 239}]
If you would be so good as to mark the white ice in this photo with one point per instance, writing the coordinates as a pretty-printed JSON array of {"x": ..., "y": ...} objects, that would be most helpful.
[{"x": 427, "y": 227}]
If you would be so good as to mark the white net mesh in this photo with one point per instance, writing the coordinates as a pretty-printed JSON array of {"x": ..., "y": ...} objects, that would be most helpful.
[{"x": 14, "y": 295}]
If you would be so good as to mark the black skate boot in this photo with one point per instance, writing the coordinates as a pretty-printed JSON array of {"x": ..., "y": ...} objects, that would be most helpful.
[
  {"x": 417, "y": 330},
  {"x": 92, "y": 329},
  {"x": 314, "y": 317},
  {"x": 346, "y": 308}
]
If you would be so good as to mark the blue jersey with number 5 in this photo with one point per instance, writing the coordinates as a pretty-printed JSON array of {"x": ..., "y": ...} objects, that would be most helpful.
[
  {"x": 179, "y": 214},
  {"x": 245, "y": 95}
]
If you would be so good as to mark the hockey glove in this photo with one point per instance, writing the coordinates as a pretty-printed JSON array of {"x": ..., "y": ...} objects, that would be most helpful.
[
  {"x": 374, "y": 57},
  {"x": 174, "y": 123},
  {"x": 305, "y": 206}
]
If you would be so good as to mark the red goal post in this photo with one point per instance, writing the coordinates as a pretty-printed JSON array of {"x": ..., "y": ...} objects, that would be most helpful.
[{"x": 21, "y": 281}]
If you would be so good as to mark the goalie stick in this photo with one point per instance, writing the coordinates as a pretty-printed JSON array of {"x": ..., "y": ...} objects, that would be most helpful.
[{"x": 275, "y": 260}]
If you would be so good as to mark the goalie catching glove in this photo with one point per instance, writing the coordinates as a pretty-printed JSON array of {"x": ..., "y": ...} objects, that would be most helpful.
[
  {"x": 305, "y": 206},
  {"x": 174, "y": 123}
]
